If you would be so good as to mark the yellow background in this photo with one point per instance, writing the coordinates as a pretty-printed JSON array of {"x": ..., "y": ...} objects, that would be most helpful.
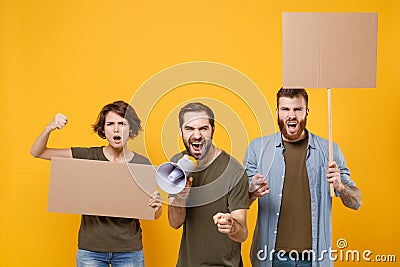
[{"x": 76, "y": 56}]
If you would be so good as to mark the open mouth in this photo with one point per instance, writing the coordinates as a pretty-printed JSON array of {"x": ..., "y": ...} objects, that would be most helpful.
[
  {"x": 197, "y": 146},
  {"x": 292, "y": 126},
  {"x": 117, "y": 138}
]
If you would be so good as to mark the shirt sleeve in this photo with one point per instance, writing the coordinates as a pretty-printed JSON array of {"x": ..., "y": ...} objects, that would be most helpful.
[
  {"x": 338, "y": 157},
  {"x": 238, "y": 197},
  {"x": 250, "y": 161},
  {"x": 139, "y": 159},
  {"x": 80, "y": 152}
]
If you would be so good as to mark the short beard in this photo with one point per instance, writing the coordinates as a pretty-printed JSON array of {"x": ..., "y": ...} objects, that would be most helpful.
[
  {"x": 302, "y": 126},
  {"x": 206, "y": 146}
]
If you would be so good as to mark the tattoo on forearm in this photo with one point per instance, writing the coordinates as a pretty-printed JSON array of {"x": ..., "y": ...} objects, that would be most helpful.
[{"x": 351, "y": 197}]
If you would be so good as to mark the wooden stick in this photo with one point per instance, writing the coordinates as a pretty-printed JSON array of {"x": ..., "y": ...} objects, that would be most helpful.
[{"x": 332, "y": 190}]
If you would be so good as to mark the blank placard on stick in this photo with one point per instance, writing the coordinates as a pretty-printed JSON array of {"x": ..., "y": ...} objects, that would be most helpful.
[{"x": 329, "y": 50}]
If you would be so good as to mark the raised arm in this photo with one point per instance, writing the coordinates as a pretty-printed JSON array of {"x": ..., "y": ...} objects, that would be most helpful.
[
  {"x": 258, "y": 187},
  {"x": 155, "y": 202},
  {"x": 350, "y": 195},
  {"x": 39, "y": 148},
  {"x": 177, "y": 206}
]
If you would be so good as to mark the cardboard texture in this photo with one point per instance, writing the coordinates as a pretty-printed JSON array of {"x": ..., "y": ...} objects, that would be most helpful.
[
  {"x": 329, "y": 50},
  {"x": 103, "y": 188}
]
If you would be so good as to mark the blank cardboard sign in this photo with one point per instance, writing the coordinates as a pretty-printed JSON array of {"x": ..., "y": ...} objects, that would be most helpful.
[
  {"x": 102, "y": 188},
  {"x": 329, "y": 50}
]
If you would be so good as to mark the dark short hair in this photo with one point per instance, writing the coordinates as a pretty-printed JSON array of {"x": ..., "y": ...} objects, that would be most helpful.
[
  {"x": 196, "y": 107},
  {"x": 124, "y": 110},
  {"x": 291, "y": 92}
]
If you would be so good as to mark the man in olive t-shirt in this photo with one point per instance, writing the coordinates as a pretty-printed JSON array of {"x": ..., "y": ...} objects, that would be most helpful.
[{"x": 212, "y": 208}]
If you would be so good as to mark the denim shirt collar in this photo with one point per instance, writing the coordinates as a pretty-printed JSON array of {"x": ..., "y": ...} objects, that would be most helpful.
[{"x": 311, "y": 144}]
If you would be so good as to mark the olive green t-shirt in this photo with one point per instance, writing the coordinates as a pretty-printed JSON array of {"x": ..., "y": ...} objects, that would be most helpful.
[
  {"x": 103, "y": 233},
  {"x": 224, "y": 188},
  {"x": 294, "y": 226}
]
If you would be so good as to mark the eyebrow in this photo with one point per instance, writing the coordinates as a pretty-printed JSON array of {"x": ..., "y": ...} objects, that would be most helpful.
[
  {"x": 286, "y": 107},
  {"x": 201, "y": 127},
  {"x": 116, "y": 122}
]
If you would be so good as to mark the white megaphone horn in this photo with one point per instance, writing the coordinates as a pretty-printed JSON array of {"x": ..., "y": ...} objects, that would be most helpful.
[{"x": 171, "y": 177}]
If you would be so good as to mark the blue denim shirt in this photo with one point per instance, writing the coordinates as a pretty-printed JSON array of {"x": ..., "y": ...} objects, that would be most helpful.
[{"x": 265, "y": 156}]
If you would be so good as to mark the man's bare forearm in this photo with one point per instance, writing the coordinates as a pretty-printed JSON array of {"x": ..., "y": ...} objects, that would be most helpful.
[
  {"x": 350, "y": 196},
  {"x": 239, "y": 231},
  {"x": 176, "y": 212}
]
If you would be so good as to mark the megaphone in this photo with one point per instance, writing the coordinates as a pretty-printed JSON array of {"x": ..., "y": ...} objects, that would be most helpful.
[{"x": 171, "y": 177}]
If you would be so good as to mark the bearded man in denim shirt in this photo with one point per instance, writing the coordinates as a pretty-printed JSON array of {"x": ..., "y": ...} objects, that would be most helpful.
[{"x": 290, "y": 175}]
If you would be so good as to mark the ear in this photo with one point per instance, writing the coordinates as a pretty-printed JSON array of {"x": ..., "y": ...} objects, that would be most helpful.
[
  {"x": 276, "y": 110},
  {"x": 307, "y": 110},
  {"x": 180, "y": 132}
]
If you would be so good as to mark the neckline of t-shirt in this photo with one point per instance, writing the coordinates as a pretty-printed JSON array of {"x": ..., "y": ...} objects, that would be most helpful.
[{"x": 104, "y": 156}]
